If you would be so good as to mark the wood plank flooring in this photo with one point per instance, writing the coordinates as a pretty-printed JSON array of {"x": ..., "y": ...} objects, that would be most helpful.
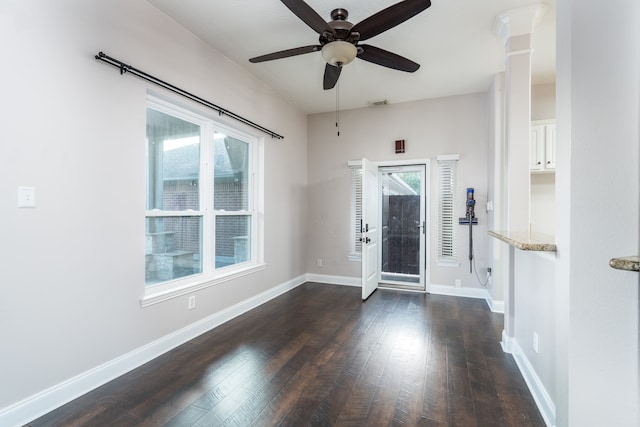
[{"x": 319, "y": 356}]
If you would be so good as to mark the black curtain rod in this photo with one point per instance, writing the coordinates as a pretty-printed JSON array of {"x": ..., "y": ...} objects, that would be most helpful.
[{"x": 125, "y": 68}]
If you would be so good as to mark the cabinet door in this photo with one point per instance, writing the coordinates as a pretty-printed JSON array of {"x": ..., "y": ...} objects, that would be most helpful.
[
  {"x": 536, "y": 148},
  {"x": 550, "y": 147}
]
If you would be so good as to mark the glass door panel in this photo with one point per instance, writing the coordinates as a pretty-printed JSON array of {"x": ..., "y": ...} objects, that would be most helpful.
[{"x": 402, "y": 232}]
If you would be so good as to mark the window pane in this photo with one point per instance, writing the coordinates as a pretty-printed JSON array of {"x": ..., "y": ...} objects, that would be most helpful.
[
  {"x": 173, "y": 163},
  {"x": 231, "y": 180},
  {"x": 173, "y": 248},
  {"x": 233, "y": 239}
]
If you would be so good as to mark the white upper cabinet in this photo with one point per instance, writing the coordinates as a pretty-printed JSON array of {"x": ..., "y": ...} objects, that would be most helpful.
[{"x": 542, "y": 146}]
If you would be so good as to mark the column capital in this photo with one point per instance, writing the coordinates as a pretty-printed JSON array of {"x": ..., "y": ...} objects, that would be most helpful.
[{"x": 519, "y": 21}]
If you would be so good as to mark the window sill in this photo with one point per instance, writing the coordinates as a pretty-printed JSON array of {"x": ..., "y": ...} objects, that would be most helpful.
[
  {"x": 448, "y": 263},
  {"x": 152, "y": 298},
  {"x": 356, "y": 257}
]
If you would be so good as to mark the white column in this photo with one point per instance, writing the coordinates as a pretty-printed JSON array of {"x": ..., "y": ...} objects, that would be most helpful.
[
  {"x": 518, "y": 118},
  {"x": 515, "y": 27}
]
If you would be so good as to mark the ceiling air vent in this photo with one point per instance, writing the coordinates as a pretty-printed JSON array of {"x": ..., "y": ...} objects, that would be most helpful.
[{"x": 378, "y": 103}]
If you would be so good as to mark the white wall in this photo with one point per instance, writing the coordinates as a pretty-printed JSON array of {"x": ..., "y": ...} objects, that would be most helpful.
[
  {"x": 543, "y": 102},
  {"x": 431, "y": 127},
  {"x": 543, "y": 193},
  {"x": 598, "y": 212},
  {"x": 72, "y": 269},
  {"x": 534, "y": 278}
]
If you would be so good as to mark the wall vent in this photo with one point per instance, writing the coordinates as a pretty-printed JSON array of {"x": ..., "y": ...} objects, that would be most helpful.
[{"x": 378, "y": 102}]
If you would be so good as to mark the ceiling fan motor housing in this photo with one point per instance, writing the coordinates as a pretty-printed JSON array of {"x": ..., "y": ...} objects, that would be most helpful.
[
  {"x": 340, "y": 28},
  {"x": 339, "y": 47}
]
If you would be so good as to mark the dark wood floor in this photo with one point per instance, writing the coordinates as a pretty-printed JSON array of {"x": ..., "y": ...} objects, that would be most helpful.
[{"x": 320, "y": 356}]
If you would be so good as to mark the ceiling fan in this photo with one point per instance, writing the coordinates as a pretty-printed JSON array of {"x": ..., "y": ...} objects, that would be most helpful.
[{"x": 339, "y": 38}]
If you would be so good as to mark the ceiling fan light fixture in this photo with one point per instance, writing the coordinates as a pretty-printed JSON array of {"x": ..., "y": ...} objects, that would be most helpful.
[{"x": 339, "y": 53}]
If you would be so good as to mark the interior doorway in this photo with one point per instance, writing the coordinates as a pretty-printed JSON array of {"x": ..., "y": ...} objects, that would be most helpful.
[{"x": 402, "y": 252}]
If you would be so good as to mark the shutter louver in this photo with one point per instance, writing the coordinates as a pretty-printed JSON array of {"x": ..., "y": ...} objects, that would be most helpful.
[
  {"x": 356, "y": 215},
  {"x": 446, "y": 214}
]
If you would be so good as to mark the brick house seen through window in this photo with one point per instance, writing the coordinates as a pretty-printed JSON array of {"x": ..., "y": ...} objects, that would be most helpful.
[{"x": 189, "y": 201}]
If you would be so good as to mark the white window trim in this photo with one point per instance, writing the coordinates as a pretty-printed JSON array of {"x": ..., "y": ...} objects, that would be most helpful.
[
  {"x": 451, "y": 259},
  {"x": 180, "y": 289},
  {"x": 211, "y": 276}
]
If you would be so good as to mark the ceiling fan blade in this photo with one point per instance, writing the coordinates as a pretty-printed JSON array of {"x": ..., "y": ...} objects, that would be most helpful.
[
  {"x": 331, "y": 75},
  {"x": 308, "y": 15},
  {"x": 387, "y": 59},
  {"x": 286, "y": 53},
  {"x": 389, "y": 18}
]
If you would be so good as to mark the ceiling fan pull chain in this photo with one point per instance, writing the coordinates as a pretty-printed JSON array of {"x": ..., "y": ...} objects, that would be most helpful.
[{"x": 338, "y": 107}]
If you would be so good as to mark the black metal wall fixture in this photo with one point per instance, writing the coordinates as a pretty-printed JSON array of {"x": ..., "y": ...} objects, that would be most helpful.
[{"x": 125, "y": 68}]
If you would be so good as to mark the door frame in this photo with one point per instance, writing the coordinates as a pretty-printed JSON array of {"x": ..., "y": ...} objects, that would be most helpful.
[
  {"x": 428, "y": 218},
  {"x": 423, "y": 262}
]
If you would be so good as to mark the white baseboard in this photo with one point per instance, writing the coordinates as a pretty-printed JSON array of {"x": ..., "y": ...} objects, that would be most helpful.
[
  {"x": 41, "y": 403},
  {"x": 507, "y": 343},
  {"x": 479, "y": 293},
  {"x": 495, "y": 306},
  {"x": 334, "y": 280},
  {"x": 544, "y": 402},
  {"x": 458, "y": 292}
]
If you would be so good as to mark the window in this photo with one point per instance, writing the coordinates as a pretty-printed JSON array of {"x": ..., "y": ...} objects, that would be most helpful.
[
  {"x": 202, "y": 203},
  {"x": 355, "y": 168},
  {"x": 446, "y": 210}
]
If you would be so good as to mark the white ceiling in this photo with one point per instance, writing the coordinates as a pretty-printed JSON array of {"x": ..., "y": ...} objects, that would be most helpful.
[{"x": 452, "y": 40}]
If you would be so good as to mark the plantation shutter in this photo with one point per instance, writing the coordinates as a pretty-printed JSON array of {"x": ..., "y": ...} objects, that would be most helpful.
[
  {"x": 446, "y": 210},
  {"x": 356, "y": 205}
]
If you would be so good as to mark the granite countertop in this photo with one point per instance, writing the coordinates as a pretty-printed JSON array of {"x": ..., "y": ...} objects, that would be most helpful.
[
  {"x": 526, "y": 241},
  {"x": 629, "y": 263}
]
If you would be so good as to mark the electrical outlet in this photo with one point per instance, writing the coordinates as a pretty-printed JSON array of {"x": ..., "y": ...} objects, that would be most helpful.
[
  {"x": 535, "y": 342},
  {"x": 192, "y": 302},
  {"x": 26, "y": 197},
  {"x": 458, "y": 283},
  {"x": 319, "y": 262}
]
